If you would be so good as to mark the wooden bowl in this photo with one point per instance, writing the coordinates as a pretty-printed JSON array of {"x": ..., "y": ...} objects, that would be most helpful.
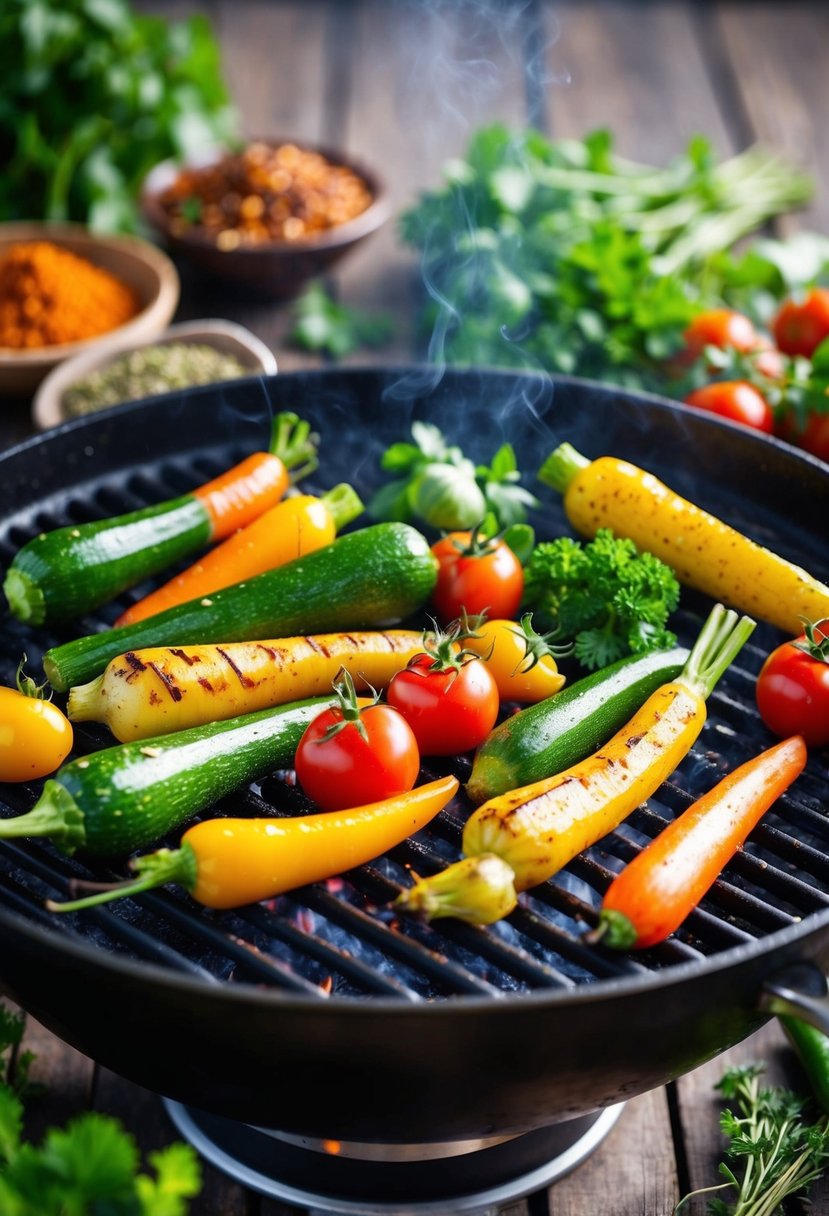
[
  {"x": 277, "y": 269},
  {"x": 140, "y": 264},
  {"x": 257, "y": 359}
]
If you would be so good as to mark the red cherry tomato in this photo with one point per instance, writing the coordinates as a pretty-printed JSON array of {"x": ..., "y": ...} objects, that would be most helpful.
[
  {"x": 814, "y": 437},
  {"x": 720, "y": 327},
  {"x": 734, "y": 399},
  {"x": 768, "y": 360},
  {"x": 476, "y": 575},
  {"x": 800, "y": 325},
  {"x": 451, "y": 708},
  {"x": 793, "y": 687},
  {"x": 349, "y": 756}
]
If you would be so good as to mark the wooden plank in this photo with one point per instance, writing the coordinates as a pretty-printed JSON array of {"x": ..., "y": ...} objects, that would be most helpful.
[
  {"x": 779, "y": 58},
  {"x": 633, "y": 1170},
  {"x": 425, "y": 77},
  {"x": 617, "y": 64},
  {"x": 68, "y": 1078}
]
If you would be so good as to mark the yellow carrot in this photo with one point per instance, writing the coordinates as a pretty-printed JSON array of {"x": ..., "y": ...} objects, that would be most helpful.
[
  {"x": 225, "y": 863},
  {"x": 519, "y": 839},
  {"x": 290, "y": 529},
  {"x": 704, "y": 552},
  {"x": 161, "y": 689}
]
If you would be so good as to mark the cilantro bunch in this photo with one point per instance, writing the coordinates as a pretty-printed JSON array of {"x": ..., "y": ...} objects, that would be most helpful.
[
  {"x": 605, "y": 597},
  {"x": 91, "y": 1165},
  {"x": 93, "y": 96},
  {"x": 565, "y": 256}
]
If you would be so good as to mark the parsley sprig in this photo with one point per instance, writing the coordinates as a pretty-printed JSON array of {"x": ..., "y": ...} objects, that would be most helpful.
[
  {"x": 91, "y": 1165},
  {"x": 606, "y": 597},
  {"x": 773, "y": 1153}
]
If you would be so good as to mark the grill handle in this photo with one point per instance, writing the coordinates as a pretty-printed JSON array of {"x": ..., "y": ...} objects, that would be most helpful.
[{"x": 800, "y": 991}]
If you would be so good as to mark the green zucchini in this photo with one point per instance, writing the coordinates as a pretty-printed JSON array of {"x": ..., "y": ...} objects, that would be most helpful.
[
  {"x": 68, "y": 571},
  {"x": 129, "y": 796},
  {"x": 374, "y": 576},
  {"x": 546, "y": 738}
]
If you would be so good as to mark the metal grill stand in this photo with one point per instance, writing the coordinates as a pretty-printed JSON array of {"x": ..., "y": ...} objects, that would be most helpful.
[{"x": 349, "y": 1179}]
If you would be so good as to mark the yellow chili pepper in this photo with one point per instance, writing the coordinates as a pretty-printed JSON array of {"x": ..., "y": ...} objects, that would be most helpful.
[
  {"x": 226, "y": 863},
  {"x": 519, "y": 839},
  {"x": 704, "y": 552},
  {"x": 160, "y": 689}
]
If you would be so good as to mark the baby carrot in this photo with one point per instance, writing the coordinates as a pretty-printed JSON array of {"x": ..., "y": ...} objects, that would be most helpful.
[
  {"x": 225, "y": 863},
  {"x": 293, "y": 527},
  {"x": 652, "y": 896},
  {"x": 704, "y": 552},
  {"x": 68, "y": 571}
]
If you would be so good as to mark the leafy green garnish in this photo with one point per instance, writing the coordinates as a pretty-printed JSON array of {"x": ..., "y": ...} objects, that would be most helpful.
[
  {"x": 330, "y": 328},
  {"x": 773, "y": 1153},
  {"x": 605, "y": 597},
  {"x": 563, "y": 255},
  {"x": 434, "y": 482},
  {"x": 93, "y": 96},
  {"x": 91, "y": 1165}
]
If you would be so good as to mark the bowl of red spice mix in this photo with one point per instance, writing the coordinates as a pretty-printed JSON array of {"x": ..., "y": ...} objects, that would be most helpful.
[
  {"x": 267, "y": 216},
  {"x": 64, "y": 289}
]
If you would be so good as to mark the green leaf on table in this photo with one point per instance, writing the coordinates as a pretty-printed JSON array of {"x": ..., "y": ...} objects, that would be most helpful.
[{"x": 325, "y": 326}]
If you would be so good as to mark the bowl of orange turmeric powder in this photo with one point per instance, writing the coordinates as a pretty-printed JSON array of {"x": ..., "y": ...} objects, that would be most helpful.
[{"x": 64, "y": 289}]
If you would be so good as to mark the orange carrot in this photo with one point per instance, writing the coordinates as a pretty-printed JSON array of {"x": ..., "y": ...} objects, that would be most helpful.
[
  {"x": 652, "y": 896},
  {"x": 240, "y": 494},
  {"x": 288, "y": 530}
]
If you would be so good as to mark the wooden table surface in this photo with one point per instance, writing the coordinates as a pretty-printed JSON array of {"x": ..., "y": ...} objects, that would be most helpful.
[{"x": 403, "y": 85}]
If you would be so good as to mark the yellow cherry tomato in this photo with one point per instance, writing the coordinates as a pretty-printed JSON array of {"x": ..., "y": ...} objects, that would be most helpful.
[
  {"x": 35, "y": 736},
  {"x": 520, "y": 659}
]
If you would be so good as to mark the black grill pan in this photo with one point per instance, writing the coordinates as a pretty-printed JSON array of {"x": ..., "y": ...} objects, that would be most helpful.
[{"x": 319, "y": 1014}]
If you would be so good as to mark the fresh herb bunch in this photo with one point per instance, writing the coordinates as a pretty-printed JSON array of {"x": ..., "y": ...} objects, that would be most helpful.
[
  {"x": 561, "y": 254},
  {"x": 605, "y": 597},
  {"x": 775, "y": 1150},
  {"x": 93, "y": 96},
  {"x": 91, "y": 1165},
  {"x": 435, "y": 483}
]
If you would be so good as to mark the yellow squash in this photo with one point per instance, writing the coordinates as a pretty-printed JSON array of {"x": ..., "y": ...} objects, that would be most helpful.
[
  {"x": 161, "y": 689},
  {"x": 704, "y": 552}
]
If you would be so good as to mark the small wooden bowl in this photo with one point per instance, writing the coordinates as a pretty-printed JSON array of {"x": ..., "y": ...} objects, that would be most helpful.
[
  {"x": 276, "y": 269},
  {"x": 141, "y": 265},
  {"x": 225, "y": 336}
]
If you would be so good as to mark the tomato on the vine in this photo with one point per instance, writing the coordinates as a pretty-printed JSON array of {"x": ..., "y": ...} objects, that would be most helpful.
[
  {"x": 350, "y": 755},
  {"x": 800, "y": 325},
  {"x": 447, "y": 694},
  {"x": 813, "y": 437},
  {"x": 476, "y": 574},
  {"x": 793, "y": 687},
  {"x": 720, "y": 327},
  {"x": 35, "y": 735},
  {"x": 734, "y": 399},
  {"x": 522, "y": 661}
]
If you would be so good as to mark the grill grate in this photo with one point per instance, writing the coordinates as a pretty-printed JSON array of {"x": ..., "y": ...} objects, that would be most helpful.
[{"x": 341, "y": 937}]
